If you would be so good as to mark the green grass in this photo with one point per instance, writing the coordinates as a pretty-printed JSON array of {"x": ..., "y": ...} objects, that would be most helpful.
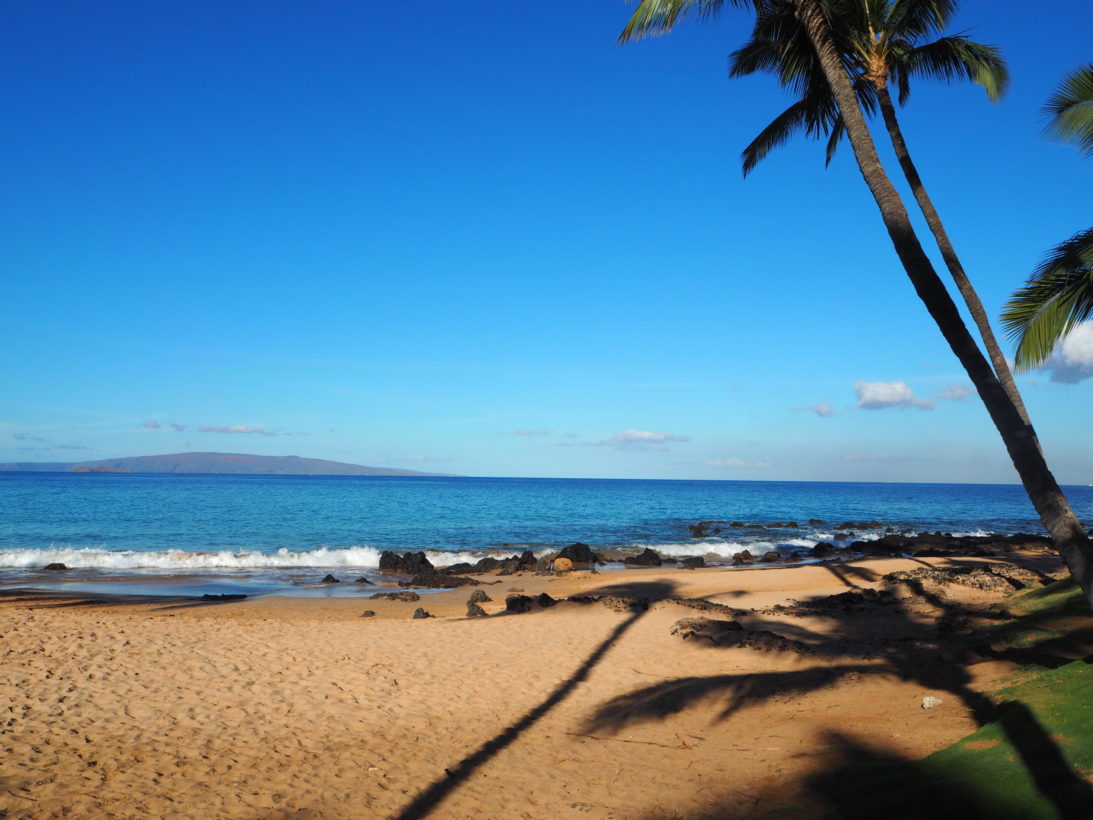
[{"x": 1031, "y": 761}]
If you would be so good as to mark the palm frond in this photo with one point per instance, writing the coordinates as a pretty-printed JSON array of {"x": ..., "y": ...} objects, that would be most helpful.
[
  {"x": 1070, "y": 110},
  {"x": 838, "y": 130},
  {"x": 813, "y": 115},
  {"x": 954, "y": 58},
  {"x": 654, "y": 17},
  {"x": 1057, "y": 296},
  {"x": 920, "y": 18}
]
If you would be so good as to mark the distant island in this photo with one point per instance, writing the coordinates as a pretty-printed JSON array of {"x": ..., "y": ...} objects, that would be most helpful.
[{"x": 211, "y": 464}]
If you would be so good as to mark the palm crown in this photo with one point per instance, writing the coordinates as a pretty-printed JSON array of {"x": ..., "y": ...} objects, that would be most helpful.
[
  {"x": 881, "y": 43},
  {"x": 1059, "y": 293}
]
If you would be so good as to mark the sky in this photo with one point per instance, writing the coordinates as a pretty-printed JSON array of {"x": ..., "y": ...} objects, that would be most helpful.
[{"x": 481, "y": 238}]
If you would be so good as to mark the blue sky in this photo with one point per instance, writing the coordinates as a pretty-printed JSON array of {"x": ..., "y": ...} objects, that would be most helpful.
[{"x": 480, "y": 238}]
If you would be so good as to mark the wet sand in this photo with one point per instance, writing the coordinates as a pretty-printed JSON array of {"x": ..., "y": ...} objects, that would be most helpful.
[{"x": 128, "y": 706}]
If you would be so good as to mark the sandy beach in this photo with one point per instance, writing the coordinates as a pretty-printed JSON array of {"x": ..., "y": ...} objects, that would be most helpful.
[{"x": 278, "y": 707}]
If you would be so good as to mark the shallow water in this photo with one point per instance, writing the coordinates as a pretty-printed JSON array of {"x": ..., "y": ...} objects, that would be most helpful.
[{"x": 282, "y": 533}]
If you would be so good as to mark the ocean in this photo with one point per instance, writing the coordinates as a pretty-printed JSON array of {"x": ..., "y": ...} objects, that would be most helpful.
[{"x": 197, "y": 534}]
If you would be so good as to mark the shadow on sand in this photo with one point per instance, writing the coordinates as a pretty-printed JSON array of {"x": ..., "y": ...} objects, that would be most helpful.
[
  {"x": 53, "y": 599},
  {"x": 429, "y": 798},
  {"x": 935, "y": 652}
]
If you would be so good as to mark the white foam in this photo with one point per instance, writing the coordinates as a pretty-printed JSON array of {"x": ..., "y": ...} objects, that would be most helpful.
[
  {"x": 445, "y": 558},
  {"x": 725, "y": 549},
  {"x": 94, "y": 558}
]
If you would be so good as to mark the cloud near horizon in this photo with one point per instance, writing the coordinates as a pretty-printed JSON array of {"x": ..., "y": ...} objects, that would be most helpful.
[
  {"x": 236, "y": 428},
  {"x": 152, "y": 424},
  {"x": 764, "y": 462},
  {"x": 882, "y": 395},
  {"x": 632, "y": 440},
  {"x": 1072, "y": 359},
  {"x": 821, "y": 409}
]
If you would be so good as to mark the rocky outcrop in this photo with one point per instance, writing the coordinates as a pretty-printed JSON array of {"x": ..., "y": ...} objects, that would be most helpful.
[
  {"x": 580, "y": 554},
  {"x": 438, "y": 580},
  {"x": 647, "y": 558},
  {"x": 733, "y": 634},
  {"x": 405, "y": 595},
  {"x": 412, "y": 563},
  {"x": 518, "y": 603}
]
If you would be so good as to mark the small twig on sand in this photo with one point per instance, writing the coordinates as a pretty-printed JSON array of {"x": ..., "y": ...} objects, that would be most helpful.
[
  {"x": 682, "y": 747},
  {"x": 653, "y": 674}
]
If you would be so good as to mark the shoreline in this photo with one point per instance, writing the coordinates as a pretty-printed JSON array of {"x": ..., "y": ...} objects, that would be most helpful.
[{"x": 293, "y": 707}]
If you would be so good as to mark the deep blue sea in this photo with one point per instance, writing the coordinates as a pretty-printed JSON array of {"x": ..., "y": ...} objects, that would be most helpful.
[{"x": 197, "y": 533}]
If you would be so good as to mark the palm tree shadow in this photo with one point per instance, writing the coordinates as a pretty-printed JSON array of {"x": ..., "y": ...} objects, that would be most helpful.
[
  {"x": 930, "y": 651},
  {"x": 642, "y": 594}
]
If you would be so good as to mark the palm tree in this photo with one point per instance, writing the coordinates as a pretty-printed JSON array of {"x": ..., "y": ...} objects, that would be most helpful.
[
  {"x": 1067, "y": 533},
  {"x": 1059, "y": 294},
  {"x": 882, "y": 43}
]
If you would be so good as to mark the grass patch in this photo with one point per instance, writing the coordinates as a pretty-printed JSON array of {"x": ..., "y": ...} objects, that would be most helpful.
[{"x": 1034, "y": 760}]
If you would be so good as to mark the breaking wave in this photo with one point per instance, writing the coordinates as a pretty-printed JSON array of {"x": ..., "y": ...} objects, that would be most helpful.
[{"x": 94, "y": 558}]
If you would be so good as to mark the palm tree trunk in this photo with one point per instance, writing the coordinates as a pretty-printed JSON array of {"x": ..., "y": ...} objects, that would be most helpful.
[
  {"x": 1067, "y": 533},
  {"x": 948, "y": 253}
]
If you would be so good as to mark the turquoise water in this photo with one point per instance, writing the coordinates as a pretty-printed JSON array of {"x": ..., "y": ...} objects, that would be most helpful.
[{"x": 274, "y": 529}]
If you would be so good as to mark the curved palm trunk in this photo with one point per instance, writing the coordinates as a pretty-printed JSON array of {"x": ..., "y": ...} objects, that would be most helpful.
[
  {"x": 1067, "y": 533},
  {"x": 948, "y": 253}
]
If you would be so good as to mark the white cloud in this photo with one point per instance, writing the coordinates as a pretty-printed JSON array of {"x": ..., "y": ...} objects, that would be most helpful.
[
  {"x": 152, "y": 424},
  {"x": 646, "y": 437},
  {"x": 766, "y": 461},
  {"x": 178, "y": 428},
  {"x": 882, "y": 395},
  {"x": 1072, "y": 360},
  {"x": 235, "y": 428},
  {"x": 821, "y": 409},
  {"x": 955, "y": 392},
  {"x": 632, "y": 440}
]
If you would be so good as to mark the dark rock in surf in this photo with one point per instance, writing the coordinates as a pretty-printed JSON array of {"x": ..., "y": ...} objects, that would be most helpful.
[
  {"x": 692, "y": 562},
  {"x": 329, "y": 579},
  {"x": 743, "y": 557},
  {"x": 55, "y": 567},
  {"x": 580, "y": 554},
  {"x": 647, "y": 558},
  {"x": 823, "y": 550},
  {"x": 227, "y": 596},
  {"x": 771, "y": 557},
  {"x": 362, "y": 580},
  {"x": 412, "y": 563}
]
